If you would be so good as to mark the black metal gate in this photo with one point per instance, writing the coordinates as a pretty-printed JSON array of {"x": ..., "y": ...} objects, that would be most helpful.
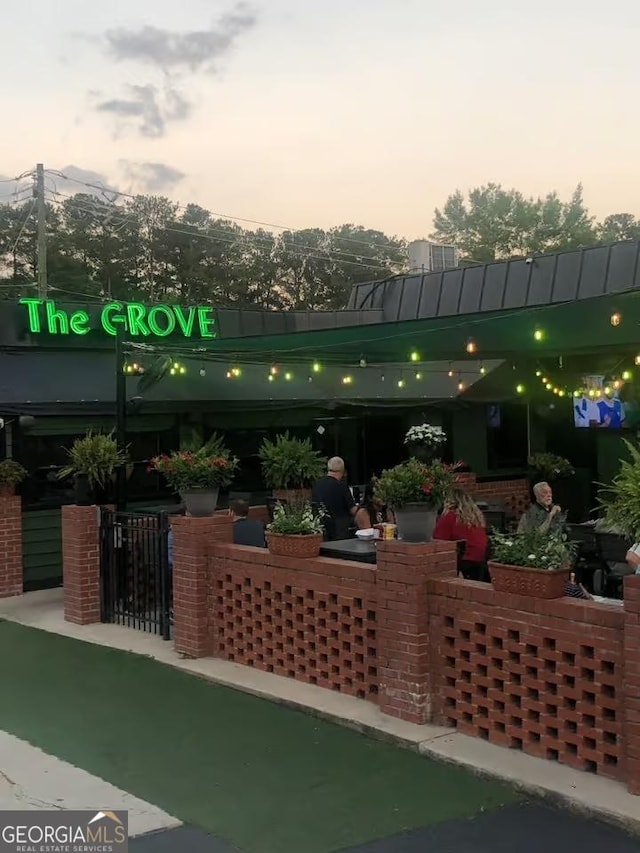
[{"x": 134, "y": 565}]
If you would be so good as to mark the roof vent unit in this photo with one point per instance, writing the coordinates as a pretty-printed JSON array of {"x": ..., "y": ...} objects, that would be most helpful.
[{"x": 425, "y": 256}]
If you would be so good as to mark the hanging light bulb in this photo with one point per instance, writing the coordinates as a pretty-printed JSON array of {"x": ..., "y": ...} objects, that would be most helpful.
[
  {"x": 172, "y": 371},
  {"x": 288, "y": 376},
  {"x": 607, "y": 390},
  {"x": 271, "y": 377},
  {"x": 561, "y": 392},
  {"x": 461, "y": 385},
  {"x": 363, "y": 362},
  {"x": 202, "y": 371},
  {"x": 520, "y": 389},
  {"x": 539, "y": 373},
  {"x": 471, "y": 346},
  {"x": 637, "y": 359},
  {"x": 483, "y": 370},
  {"x": 418, "y": 376},
  {"x": 229, "y": 374},
  {"x": 415, "y": 356},
  {"x": 616, "y": 318},
  {"x": 617, "y": 384},
  {"x": 235, "y": 372},
  {"x": 176, "y": 366},
  {"x": 450, "y": 374},
  {"x": 627, "y": 375},
  {"x": 544, "y": 380},
  {"x": 400, "y": 383},
  {"x": 273, "y": 370},
  {"x": 316, "y": 367},
  {"x": 592, "y": 393},
  {"x": 549, "y": 386},
  {"x": 538, "y": 335},
  {"x": 347, "y": 380},
  {"x": 182, "y": 369},
  {"x": 576, "y": 394}
]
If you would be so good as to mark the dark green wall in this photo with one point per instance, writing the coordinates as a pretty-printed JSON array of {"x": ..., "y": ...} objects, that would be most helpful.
[
  {"x": 42, "y": 548},
  {"x": 469, "y": 437}
]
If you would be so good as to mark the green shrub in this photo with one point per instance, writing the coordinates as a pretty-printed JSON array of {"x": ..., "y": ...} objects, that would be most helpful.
[
  {"x": 95, "y": 456},
  {"x": 290, "y": 463}
]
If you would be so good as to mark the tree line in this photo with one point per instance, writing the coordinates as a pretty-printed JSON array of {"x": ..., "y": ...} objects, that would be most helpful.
[{"x": 148, "y": 248}]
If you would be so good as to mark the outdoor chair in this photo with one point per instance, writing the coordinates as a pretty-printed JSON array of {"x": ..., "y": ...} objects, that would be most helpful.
[{"x": 612, "y": 550}]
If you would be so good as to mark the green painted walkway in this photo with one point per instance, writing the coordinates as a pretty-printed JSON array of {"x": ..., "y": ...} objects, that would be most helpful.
[{"x": 268, "y": 779}]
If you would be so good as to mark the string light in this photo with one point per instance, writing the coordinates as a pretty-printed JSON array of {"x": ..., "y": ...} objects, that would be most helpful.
[
  {"x": 549, "y": 386},
  {"x": 616, "y": 318},
  {"x": 273, "y": 370},
  {"x": 637, "y": 359},
  {"x": 316, "y": 367},
  {"x": 400, "y": 383},
  {"x": 271, "y": 377},
  {"x": 202, "y": 372},
  {"x": 561, "y": 393},
  {"x": 415, "y": 356},
  {"x": 363, "y": 362},
  {"x": 177, "y": 369},
  {"x": 461, "y": 386},
  {"x": 539, "y": 373},
  {"x": 288, "y": 376},
  {"x": 627, "y": 375},
  {"x": 347, "y": 380},
  {"x": 471, "y": 346},
  {"x": 520, "y": 389},
  {"x": 450, "y": 374},
  {"x": 538, "y": 335},
  {"x": 483, "y": 370},
  {"x": 418, "y": 376}
]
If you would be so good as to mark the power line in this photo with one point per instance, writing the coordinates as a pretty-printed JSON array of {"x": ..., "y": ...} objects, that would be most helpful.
[
  {"x": 242, "y": 239},
  {"x": 213, "y": 213}
]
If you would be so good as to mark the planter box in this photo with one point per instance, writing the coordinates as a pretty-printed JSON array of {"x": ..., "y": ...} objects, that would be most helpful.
[
  {"x": 284, "y": 545},
  {"x": 536, "y": 583}
]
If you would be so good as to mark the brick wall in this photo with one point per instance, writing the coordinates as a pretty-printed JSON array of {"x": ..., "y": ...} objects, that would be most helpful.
[
  {"x": 544, "y": 677},
  {"x": 312, "y": 620},
  {"x": 512, "y": 494},
  {"x": 10, "y": 546}
]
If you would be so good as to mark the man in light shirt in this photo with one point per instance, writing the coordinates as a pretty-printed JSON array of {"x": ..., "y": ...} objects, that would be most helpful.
[{"x": 633, "y": 557}]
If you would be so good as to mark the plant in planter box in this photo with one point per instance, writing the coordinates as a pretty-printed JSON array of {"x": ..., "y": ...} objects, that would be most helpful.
[
  {"x": 416, "y": 492},
  {"x": 296, "y": 530},
  {"x": 93, "y": 461},
  {"x": 532, "y": 563},
  {"x": 11, "y": 475},
  {"x": 425, "y": 441},
  {"x": 197, "y": 475},
  {"x": 549, "y": 467},
  {"x": 621, "y": 499},
  {"x": 290, "y": 464}
]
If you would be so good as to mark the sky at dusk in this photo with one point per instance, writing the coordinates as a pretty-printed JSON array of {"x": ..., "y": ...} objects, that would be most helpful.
[{"x": 305, "y": 113}]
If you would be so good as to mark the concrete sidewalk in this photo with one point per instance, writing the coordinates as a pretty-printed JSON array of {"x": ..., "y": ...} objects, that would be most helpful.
[
  {"x": 32, "y": 780},
  {"x": 584, "y": 792}
]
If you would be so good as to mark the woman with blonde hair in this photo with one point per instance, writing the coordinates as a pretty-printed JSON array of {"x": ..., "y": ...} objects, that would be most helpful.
[{"x": 463, "y": 521}]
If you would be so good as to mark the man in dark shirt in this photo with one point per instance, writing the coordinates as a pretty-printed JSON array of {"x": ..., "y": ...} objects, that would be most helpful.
[
  {"x": 333, "y": 493},
  {"x": 543, "y": 515},
  {"x": 246, "y": 531}
]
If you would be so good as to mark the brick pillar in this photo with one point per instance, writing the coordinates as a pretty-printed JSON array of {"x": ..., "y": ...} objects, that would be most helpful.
[
  {"x": 81, "y": 564},
  {"x": 192, "y": 538},
  {"x": 404, "y": 654},
  {"x": 10, "y": 546},
  {"x": 631, "y": 695}
]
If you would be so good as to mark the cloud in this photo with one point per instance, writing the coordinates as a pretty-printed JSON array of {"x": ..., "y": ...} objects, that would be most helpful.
[
  {"x": 152, "y": 109},
  {"x": 152, "y": 177},
  {"x": 174, "y": 54},
  {"x": 174, "y": 51}
]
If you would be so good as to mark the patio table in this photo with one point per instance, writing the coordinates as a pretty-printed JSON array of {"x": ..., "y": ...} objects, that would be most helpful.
[{"x": 362, "y": 551}]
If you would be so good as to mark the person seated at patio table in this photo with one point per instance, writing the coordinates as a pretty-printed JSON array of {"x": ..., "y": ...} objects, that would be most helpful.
[
  {"x": 543, "y": 514},
  {"x": 246, "y": 531},
  {"x": 372, "y": 511},
  {"x": 633, "y": 557},
  {"x": 462, "y": 521},
  {"x": 333, "y": 494}
]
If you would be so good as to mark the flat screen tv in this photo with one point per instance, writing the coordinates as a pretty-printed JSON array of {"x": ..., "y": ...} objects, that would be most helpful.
[{"x": 602, "y": 405}]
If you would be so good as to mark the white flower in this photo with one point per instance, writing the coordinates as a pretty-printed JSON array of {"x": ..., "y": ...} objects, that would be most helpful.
[
  {"x": 426, "y": 434},
  {"x": 531, "y": 556}
]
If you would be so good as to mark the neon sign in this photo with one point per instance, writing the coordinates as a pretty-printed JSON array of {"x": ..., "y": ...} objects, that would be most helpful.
[{"x": 138, "y": 320}]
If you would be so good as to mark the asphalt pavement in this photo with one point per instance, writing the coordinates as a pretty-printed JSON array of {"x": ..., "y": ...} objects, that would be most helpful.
[{"x": 526, "y": 828}]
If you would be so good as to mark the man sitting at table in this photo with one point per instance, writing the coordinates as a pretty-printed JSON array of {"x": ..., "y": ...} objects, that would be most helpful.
[
  {"x": 246, "y": 531},
  {"x": 543, "y": 514},
  {"x": 333, "y": 493}
]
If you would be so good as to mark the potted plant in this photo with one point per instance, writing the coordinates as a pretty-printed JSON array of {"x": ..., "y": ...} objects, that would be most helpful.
[
  {"x": 621, "y": 499},
  {"x": 296, "y": 530},
  {"x": 550, "y": 467},
  {"x": 290, "y": 466},
  {"x": 11, "y": 474},
  {"x": 532, "y": 563},
  {"x": 93, "y": 461},
  {"x": 197, "y": 475},
  {"x": 425, "y": 441},
  {"x": 416, "y": 492}
]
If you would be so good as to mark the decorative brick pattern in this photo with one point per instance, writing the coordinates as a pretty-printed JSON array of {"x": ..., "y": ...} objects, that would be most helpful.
[
  {"x": 81, "y": 564},
  {"x": 193, "y": 539},
  {"x": 313, "y": 620},
  {"x": 10, "y": 546},
  {"x": 631, "y": 700},
  {"x": 544, "y": 677}
]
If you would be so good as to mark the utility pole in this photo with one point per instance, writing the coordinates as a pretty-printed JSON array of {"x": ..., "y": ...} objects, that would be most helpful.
[{"x": 42, "y": 232}]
